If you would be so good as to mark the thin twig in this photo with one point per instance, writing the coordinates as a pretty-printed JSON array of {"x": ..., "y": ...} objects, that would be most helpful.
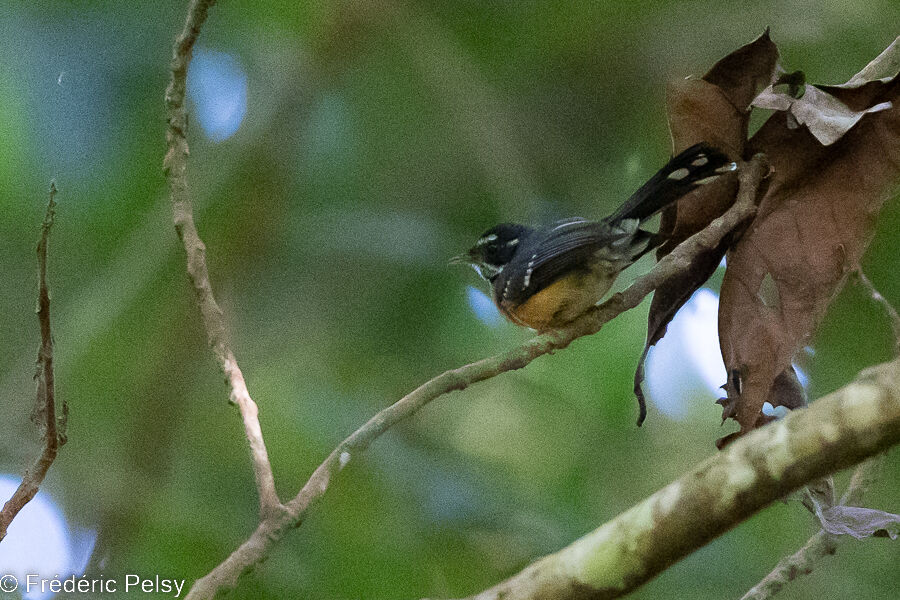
[
  {"x": 52, "y": 431},
  {"x": 175, "y": 167},
  {"x": 820, "y": 545},
  {"x": 887, "y": 306},
  {"x": 258, "y": 546}
]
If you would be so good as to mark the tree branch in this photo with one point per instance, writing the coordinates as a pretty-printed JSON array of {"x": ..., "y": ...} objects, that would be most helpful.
[
  {"x": 175, "y": 167},
  {"x": 854, "y": 423},
  {"x": 671, "y": 266},
  {"x": 269, "y": 531},
  {"x": 889, "y": 309},
  {"x": 53, "y": 432}
]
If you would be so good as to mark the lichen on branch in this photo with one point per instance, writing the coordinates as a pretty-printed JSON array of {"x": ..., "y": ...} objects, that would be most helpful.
[{"x": 837, "y": 431}]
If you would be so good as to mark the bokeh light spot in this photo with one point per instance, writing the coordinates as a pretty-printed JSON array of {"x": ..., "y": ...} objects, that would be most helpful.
[
  {"x": 217, "y": 84},
  {"x": 483, "y": 307},
  {"x": 685, "y": 367},
  {"x": 39, "y": 541}
]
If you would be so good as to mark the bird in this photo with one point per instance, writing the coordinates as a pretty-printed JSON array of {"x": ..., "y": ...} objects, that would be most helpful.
[{"x": 545, "y": 277}]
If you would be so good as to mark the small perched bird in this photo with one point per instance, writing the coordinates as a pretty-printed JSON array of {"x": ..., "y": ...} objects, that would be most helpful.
[{"x": 545, "y": 277}]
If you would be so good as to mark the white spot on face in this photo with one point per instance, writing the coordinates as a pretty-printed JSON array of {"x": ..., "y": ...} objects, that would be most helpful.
[
  {"x": 679, "y": 174},
  {"x": 512, "y": 242},
  {"x": 700, "y": 161}
]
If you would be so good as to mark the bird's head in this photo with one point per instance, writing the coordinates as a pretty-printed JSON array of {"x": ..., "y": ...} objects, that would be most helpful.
[{"x": 494, "y": 249}]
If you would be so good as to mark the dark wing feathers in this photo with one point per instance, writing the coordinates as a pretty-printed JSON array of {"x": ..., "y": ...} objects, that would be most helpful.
[{"x": 560, "y": 247}]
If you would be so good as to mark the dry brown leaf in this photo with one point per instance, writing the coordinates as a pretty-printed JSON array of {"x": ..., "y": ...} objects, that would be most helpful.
[
  {"x": 715, "y": 110},
  {"x": 813, "y": 226}
]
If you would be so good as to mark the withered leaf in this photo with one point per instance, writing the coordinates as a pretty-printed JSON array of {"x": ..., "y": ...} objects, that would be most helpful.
[
  {"x": 826, "y": 117},
  {"x": 813, "y": 226},
  {"x": 859, "y": 522},
  {"x": 839, "y": 519},
  {"x": 715, "y": 110},
  {"x": 821, "y": 108}
]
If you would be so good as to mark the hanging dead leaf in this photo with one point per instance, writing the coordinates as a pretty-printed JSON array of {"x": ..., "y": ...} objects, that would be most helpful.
[
  {"x": 839, "y": 519},
  {"x": 812, "y": 228},
  {"x": 826, "y": 117},
  {"x": 859, "y": 522},
  {"x": 715, "y": 110}
]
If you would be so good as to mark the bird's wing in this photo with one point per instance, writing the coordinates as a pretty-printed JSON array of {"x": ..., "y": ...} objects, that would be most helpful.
[{"x": 561, "y": 247}]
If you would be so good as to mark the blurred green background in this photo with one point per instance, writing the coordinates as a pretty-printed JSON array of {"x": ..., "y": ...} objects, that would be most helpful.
[{"x": 379, "y": 139}]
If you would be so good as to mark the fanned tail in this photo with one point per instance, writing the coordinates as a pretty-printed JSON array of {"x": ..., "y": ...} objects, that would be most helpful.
[{"x": 698, "y": 165}]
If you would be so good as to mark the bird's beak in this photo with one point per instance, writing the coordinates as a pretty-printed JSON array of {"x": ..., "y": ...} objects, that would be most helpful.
[{"x": 461, "y": 259}]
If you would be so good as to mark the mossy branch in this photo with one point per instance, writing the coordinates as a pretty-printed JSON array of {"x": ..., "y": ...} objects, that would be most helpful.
[{"x": 835, "y": 432}]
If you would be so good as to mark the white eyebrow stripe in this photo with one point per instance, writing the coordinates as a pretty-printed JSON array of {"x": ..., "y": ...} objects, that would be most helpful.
[{"x": 486, "y": 239}]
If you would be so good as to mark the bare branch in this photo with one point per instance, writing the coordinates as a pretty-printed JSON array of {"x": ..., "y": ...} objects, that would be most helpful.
[
  {"x": 887, "y": 306},
  {"x": 175, "y": 167},
  {"x": 835, "y": 432},
  {"x": 257, "y": 547},
  {"x": 53, "y": 432},
  {"x": 276, "y": 519}
]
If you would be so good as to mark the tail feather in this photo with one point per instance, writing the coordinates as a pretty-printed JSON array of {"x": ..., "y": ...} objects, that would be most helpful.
[{"x": 698, "y": 165}]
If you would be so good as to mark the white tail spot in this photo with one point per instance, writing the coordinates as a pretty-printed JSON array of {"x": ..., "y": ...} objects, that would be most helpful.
[{"x": 679, "y": 174}]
